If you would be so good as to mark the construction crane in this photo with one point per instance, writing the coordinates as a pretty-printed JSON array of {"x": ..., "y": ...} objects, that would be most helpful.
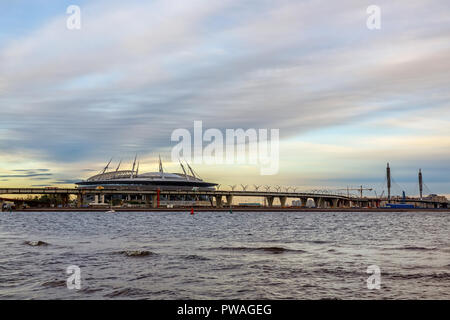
[{"x": 360, "y": 189}]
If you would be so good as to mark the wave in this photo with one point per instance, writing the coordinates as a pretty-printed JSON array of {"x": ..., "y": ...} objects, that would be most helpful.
[
  {"x": 136, "y": 253},
  {"x": 394, "y": 275},
  {"x": 36, "y": 243},
  {"x": 126, "y": 292},
  {"x": 318, "y": 241},
  {"x": 54, "y": 283},
  {"x": 390, "y": 275},
  {"x": 412, "y": 248},
  {"x": 274, "y": 250},
  {"x": 437, "y": 275},
  {"x": 90, "y": 290},
  {"x": 340, "y": 272},
  {"x": 196, "y": 257}
]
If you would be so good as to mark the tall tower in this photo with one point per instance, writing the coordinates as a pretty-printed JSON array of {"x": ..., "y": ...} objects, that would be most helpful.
[
  {"x": 388, "y": 178},
  {"x": 420, "y": 183}
]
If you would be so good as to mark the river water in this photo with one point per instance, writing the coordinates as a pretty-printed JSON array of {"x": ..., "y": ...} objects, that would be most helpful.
[{"x": 221, "y": 255}]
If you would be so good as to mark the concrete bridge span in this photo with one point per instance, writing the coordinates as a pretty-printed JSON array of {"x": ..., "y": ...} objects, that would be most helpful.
[{"x": 219, "y": 198}]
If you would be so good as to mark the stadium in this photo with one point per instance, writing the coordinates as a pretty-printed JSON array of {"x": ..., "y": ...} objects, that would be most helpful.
[{"x": 127, "y": 180}]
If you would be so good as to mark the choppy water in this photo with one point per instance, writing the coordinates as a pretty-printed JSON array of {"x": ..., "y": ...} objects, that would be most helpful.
[{"x": 215, "y": 255}]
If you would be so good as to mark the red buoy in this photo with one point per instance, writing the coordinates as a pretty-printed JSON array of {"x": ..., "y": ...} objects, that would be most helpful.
[{"x": 192, "y": 210}]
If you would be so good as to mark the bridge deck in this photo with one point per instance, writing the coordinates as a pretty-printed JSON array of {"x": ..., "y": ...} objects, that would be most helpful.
[{"x": 75, "y": 191}]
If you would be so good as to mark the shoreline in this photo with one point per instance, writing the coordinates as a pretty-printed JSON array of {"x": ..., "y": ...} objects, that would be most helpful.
[{"x": 234, "y": 209}]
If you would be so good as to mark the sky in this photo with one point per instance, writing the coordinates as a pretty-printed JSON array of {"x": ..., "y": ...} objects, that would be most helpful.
[{"x": 346, "y": 99}]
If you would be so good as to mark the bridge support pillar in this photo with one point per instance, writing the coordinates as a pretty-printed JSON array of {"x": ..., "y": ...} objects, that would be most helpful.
[
  {"x": 218, "y": 201},
  {"x": 270, "y": 201},
  {"x": 304, "y": 201},
  {"x": 318, "y": 202},
  {"x": 96, "y": 198},
  {"x": 65, "y": 200},
  {"x": 229, "y": 200},
  {"x": 79, "y": 200},
  {"x": 283, "y": 201},
  {"x": 154, "y": 200},
  {"x": 335, "y": 203}
]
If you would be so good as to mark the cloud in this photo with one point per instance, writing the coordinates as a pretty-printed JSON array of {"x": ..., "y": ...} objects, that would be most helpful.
[
  {"x": 31, "y": 170},
  {"x": 138, "y": 70},
  {"x": 24, "y": 175},
  {"x": 67, "y": 181}
]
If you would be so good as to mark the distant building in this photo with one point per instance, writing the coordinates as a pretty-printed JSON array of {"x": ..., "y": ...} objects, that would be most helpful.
[
  {"x": 6, "y": 205},
  {"x": 296, "y": 203},
  {"x": 435, "y": 197},
  {"x": 309, "y": 203}
]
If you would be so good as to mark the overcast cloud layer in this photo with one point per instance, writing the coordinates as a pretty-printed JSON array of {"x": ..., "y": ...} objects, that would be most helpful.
[{"x": 346, "y": 99}]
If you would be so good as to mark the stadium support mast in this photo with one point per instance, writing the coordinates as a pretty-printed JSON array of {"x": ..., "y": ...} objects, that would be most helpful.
[
  {"x": 191, "y": 170},
  {"x": 184, "y": 170},
  {"x": 137, "y": 170},
  {"x": 134, "y": 165},
  {"x": 161, "y": 170},
  {"x": 107, "y": 166}
]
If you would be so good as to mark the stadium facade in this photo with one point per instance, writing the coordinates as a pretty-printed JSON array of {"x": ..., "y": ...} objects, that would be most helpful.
[{"x": 133, "y": 180}]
